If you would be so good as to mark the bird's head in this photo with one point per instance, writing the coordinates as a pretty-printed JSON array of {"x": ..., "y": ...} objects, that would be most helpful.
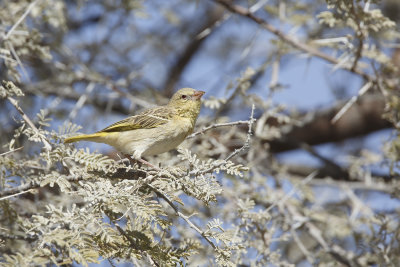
[{"x": 187, "y": 102}]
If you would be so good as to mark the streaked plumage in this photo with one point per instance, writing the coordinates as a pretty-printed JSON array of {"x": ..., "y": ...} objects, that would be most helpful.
[
  {"x": 153, "y": 131},
  {"x": 148, "y": 119}
]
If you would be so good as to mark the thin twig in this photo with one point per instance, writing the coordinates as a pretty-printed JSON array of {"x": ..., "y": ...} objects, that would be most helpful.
[
  {"x": 348, "y": 105},
  {"x": 245, "y": 146},
  {"x": 181, "y": 215},
  {"x": 337, "y": 252},
  {"x": 132, "y": 161},
  {"x": 25, "y": 188},
  {"x": 292, "y": 192},
  {"x": 301, "y": 246},
  {"x": 134, "y": 99},
  {"x": 18, "y": 189},
  {"x": 31, "y": 190},
  {"x": 27, "y": 11},
  {"x": 30, "y": 123},
  {"x": 28, "y": 238},
  {"x": 81, "y": 101},
  {"x": 360, "y": 36},
  {"x": 7, "y": 58},
  {"x": 135, "y": 246},
  {"x": 215, "y": 17},
  {"x": 14, "y": 53},
  {"x": 252, "y": 80},
  {"x": 11, "y": 151},
  {"x": 217, "y": 126},
  {"x": 330, "y": 163}
]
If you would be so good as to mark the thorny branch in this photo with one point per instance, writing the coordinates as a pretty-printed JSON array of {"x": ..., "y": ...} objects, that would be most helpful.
[{"x": 237, "y": 151}]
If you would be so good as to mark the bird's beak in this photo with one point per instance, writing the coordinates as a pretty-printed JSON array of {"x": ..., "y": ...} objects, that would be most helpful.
[{"x": 198, "y": 94}]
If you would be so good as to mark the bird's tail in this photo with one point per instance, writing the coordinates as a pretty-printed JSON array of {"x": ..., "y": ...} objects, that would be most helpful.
[{"x": 84, "y": 137}]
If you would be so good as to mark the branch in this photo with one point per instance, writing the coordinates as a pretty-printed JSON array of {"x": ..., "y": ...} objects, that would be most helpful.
[
  {"x": 351, "y": 102},
  {"x": 181, "y": 215},
  {"x": 11, "y": 151},
  {"x": 68, "y": 93},
  {"x": 134, "y": 246},
  {"x": 28, "y": 187},
  {"x": 341, "y": 175},
  {"x": 239, "y": 87},
  {"x": 237, "y": 151},
  {"x": 338, "y": 253},
  {"x": 360, "y": 36},
  {"x": 331, "y": 167},
  {"x": 286, "y": 38},
  {"x": 29, "y": 122},
  {"x": 27, "y": 11},
  {"x": 228, "y": 4},
  {"x": 205, "y": 129},
  {"x": 4, "y": 236},
  {"x": 362, "y": 118},
  {"x": 191, "y": 49}
]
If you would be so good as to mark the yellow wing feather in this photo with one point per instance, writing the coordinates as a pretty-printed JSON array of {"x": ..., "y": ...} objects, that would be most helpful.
[{"x": 148, "y": 119}]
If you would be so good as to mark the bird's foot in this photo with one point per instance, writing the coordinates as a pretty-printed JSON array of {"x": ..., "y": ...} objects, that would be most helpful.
[{"x": 133, "y": 161}]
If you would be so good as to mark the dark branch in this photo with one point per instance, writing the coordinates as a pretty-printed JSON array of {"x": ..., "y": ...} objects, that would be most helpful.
[
  {"x": 361, "y": 119},
  {"x": 191, "y": 49}
]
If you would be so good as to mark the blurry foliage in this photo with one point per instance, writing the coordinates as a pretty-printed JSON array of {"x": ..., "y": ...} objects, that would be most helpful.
[{"x": 223, "y": 198}]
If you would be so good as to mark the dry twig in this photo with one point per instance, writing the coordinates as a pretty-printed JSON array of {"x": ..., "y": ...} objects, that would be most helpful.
[{"x": 28, "y": 121}]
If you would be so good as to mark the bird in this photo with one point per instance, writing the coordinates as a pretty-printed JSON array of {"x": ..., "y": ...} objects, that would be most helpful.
[{"x": 154, "y": 131}]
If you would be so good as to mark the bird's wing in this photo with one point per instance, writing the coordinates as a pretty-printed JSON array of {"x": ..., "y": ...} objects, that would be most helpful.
[{"x": 150, "y": 118}]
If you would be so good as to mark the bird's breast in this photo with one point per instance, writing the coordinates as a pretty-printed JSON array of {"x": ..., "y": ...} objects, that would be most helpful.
[{"x": 168, "y": 136}]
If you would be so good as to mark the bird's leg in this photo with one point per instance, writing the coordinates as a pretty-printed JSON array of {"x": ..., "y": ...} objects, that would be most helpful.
[
  {"x": 148, "y": 164},
  {"x": 141, "y": 161},
  {"x": 131, "y": 160}
]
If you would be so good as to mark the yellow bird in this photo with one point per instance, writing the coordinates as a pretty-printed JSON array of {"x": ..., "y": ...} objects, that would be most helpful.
[{"x": 153, "y": 131}]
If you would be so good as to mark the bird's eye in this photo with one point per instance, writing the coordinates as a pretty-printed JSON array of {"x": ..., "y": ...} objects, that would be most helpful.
[{"x": 184, "y": 96}]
